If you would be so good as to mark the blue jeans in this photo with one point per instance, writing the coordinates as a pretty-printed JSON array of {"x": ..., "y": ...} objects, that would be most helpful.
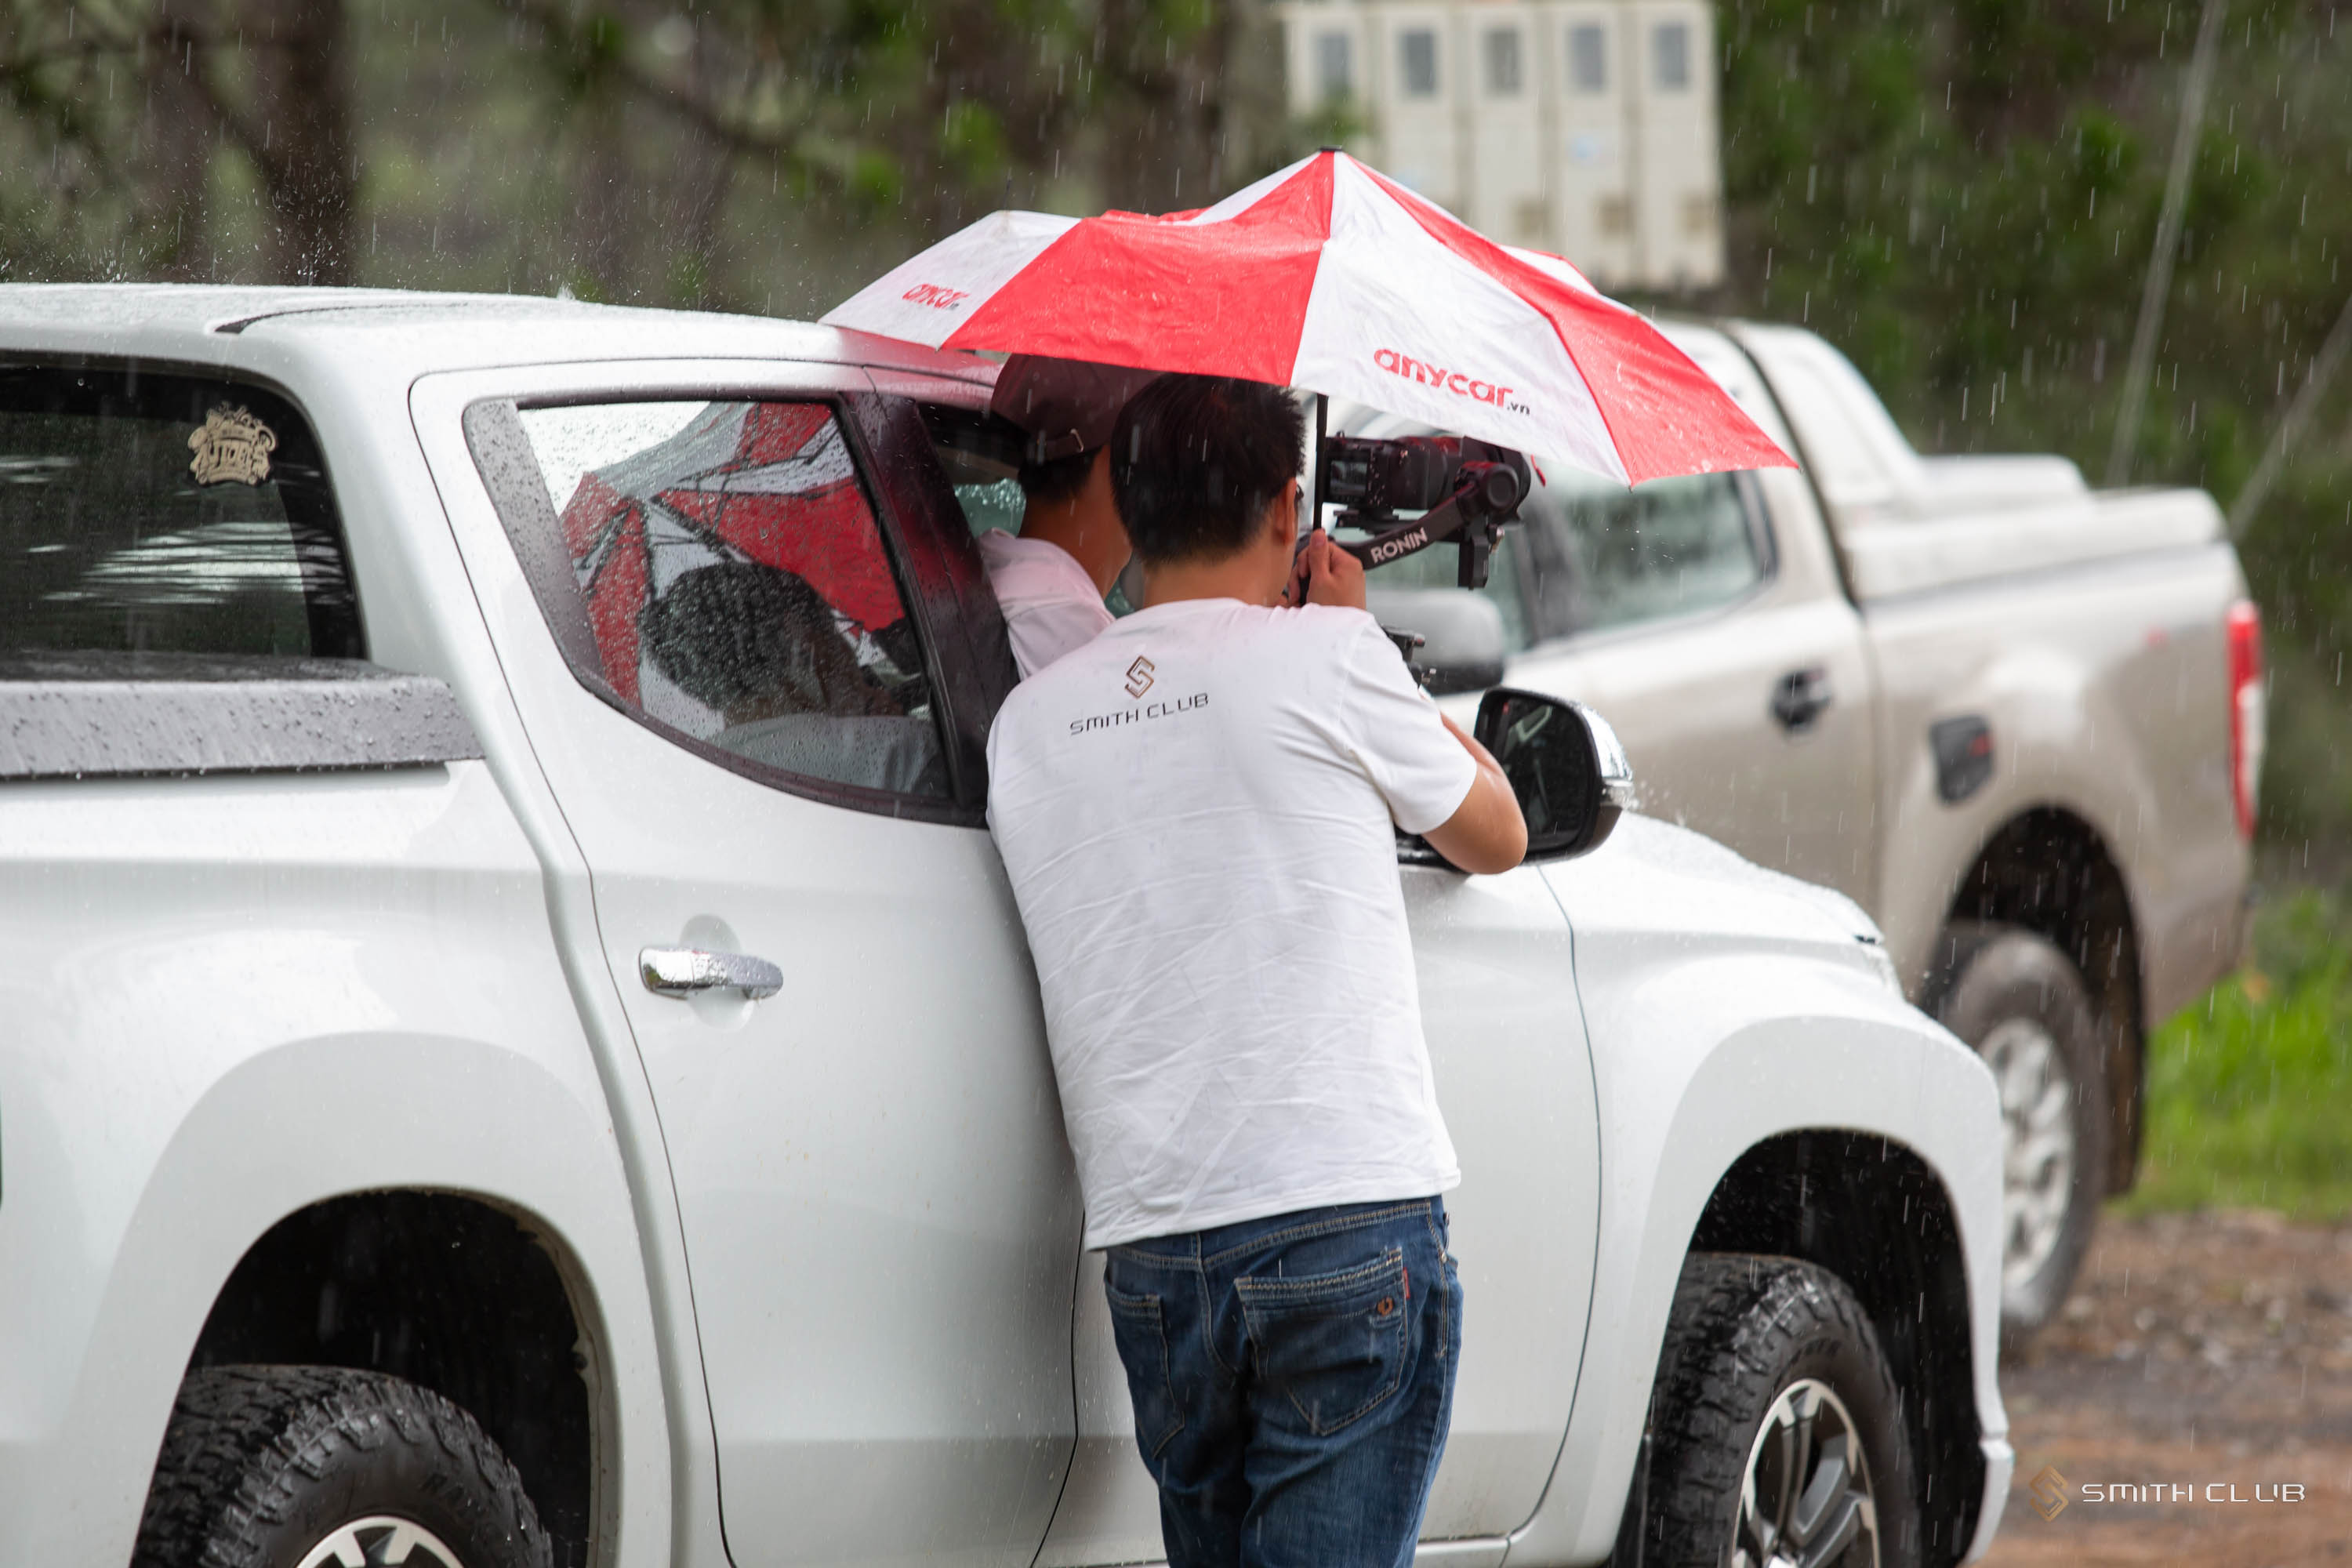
[{"x": 1293, "y": 1381}]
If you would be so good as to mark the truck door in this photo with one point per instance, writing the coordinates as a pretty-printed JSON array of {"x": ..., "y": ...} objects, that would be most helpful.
[
  {"x": 756, "y": 748},
  {"x": 1723, "y": 651}
]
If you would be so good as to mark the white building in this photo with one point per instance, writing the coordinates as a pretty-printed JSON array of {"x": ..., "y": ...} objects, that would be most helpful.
[{"x": 1587, "y": 128}]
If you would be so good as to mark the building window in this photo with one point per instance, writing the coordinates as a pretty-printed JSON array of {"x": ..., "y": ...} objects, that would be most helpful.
[
  {"x": 1334, "y": 68},
  {"x": 1588, "y": 57},
  {"x": 1670, "y": 49},
  {"x": 1502, "y": 61},
  {"x": 1417, "y": 50}
]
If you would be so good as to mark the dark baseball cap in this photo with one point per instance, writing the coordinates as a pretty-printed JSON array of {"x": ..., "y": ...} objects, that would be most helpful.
[{"x": 1066, "y": 406}]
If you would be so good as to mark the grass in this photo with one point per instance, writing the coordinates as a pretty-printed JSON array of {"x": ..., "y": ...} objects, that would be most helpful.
[{"x": 2250, "y": 1091}]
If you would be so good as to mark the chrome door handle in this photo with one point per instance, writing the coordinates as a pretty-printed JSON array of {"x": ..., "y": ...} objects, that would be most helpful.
[
  {"x": 1800, "y": 697},
  {"x": 683, "y": 971}
]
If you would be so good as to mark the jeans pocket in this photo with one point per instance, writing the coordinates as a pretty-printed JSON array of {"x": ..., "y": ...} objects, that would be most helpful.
[
  {"x": 1140, "y": 1332},
  {"x": 1335, "y": 1344}
]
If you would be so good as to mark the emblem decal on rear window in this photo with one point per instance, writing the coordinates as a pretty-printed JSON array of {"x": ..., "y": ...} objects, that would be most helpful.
[{"x": 231, "y": 447}]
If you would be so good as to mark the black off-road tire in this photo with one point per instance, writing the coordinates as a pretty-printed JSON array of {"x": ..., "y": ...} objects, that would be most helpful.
[
  {"x": 262, "y": 1466},
  {"x": 2017, "y": 1000},
  {"x": 1752, "y": 1337}
]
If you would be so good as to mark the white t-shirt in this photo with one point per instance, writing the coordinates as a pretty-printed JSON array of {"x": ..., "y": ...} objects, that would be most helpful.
[
  {"x": 1195, "y": 810},
  {"x": 1050, "y": 604}
]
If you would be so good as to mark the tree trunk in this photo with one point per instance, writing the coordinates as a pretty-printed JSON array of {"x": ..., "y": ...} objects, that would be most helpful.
[
  {"x": 299, "y": 133},
  {"x": 178, "y": 136},
  {"x": 1174, "y": 127},
  {"x": 606, "y": 202}
]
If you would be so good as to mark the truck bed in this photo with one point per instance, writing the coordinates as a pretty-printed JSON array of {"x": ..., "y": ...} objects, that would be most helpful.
[
  {"x": 1891, "y": 558},
  {"x": 1907, "y": 524}
]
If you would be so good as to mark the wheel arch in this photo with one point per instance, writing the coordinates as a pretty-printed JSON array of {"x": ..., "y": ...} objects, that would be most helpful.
[
  {"x": 2047, "y": 869},
  {"x": 479, "y": 1300},
  {"x": 1873, "y": 1212},
  {"x": 298, "y": 1151},
  {"x": 1699, "y": 1062}
]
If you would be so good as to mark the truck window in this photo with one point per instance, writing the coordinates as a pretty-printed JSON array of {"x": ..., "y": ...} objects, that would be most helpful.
[
  {"x": 165, "y": 515},
  {"x": 739, "y": 589},
  {"x": 1608, "y": 556},
  {"x": 1857, "y": 456},
  {"x": 980, "y": 455}
]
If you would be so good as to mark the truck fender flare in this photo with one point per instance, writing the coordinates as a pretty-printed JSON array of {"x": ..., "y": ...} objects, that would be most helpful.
[{"x": 321, "y": 1118}]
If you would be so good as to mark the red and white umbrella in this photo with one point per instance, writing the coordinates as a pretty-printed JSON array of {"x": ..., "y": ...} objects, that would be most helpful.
[{"x": 1330, "y": 275}]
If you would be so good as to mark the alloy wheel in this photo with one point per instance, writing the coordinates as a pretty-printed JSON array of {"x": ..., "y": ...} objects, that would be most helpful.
[
  {"x": 1805, "y": 1500},
  {"x": 2037, "y": 1108},
  {"x": 381, "y": 1541}
]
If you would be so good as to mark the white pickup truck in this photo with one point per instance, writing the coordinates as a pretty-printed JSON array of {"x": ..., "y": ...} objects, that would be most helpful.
[
  {"x": 2019, "y": 721},
  {"x": 518, "y": 1049}
]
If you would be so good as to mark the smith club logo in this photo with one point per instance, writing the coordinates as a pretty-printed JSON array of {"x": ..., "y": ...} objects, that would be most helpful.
[
  {"x": 1139, "y": 715},
  {"x": 2049, "y": 1489},
  {"x": 936, "y": 297},
  {"x": 1139, "y": 681},
  {"x": 1461, "y": 383},
  {"x": 2051, "y": 1493}
]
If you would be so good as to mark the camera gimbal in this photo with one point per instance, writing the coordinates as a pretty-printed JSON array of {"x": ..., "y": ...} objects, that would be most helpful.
[{"x": 1467, "y": 491}]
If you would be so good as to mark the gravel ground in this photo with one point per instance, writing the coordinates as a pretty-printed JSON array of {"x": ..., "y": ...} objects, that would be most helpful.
[{"x": 2200, "y": 1354}]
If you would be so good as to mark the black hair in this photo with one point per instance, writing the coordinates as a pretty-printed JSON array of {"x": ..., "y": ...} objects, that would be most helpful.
[
  {"x": 1196, "y": 459},
  {"x": 741, "y": 635},
  {"x": 1056, "y": 480}
]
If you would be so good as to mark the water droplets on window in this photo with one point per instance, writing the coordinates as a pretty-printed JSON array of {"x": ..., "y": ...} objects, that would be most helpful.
[
  {"x": 738, "y": 587},
  {"x": 109, "y": 545}
]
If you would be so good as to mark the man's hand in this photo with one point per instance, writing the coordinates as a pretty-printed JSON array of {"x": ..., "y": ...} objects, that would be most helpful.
[
  {"x": 1486, "y": 835},
  {"x": 1323, "y": 573}
]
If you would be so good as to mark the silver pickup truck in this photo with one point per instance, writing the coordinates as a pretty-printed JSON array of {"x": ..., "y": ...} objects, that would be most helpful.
[{"x": 2019, "y": 721}]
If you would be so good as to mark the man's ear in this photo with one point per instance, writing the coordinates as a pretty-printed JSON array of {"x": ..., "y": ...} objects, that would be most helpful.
[{"x": 1281, "y": 521}]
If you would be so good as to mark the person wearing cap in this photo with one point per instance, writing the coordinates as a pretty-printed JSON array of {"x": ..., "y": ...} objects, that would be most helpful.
[{"x": 1051, "y": 577}]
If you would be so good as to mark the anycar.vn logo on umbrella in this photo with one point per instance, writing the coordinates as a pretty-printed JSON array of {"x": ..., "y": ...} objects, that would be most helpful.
[{"x": 1456, "y": 381}]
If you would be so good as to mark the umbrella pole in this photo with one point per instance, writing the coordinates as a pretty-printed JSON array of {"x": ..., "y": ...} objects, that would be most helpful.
[{"x": 1322, "y": 412}]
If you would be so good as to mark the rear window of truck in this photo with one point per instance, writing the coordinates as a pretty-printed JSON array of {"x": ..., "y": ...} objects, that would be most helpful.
[{"x": 145, "y": 513}]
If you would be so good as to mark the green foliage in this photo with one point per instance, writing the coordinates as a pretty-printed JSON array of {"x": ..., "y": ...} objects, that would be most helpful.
[
  {"x": 972, "y": 141},
  {"x": 2248, "y": 1089}
]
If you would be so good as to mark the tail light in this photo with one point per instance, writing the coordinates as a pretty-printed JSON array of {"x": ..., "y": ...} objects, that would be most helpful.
[{"x": 2246, "y": 711}]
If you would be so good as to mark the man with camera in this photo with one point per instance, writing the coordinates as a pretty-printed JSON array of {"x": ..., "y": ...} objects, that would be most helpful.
[{"x": 1197, "y": 810}]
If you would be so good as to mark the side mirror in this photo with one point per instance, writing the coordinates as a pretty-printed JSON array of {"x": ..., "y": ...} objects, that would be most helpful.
[
  {"x": 1463, "y": 642},
  {"x": 1566, "y": 765}
]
